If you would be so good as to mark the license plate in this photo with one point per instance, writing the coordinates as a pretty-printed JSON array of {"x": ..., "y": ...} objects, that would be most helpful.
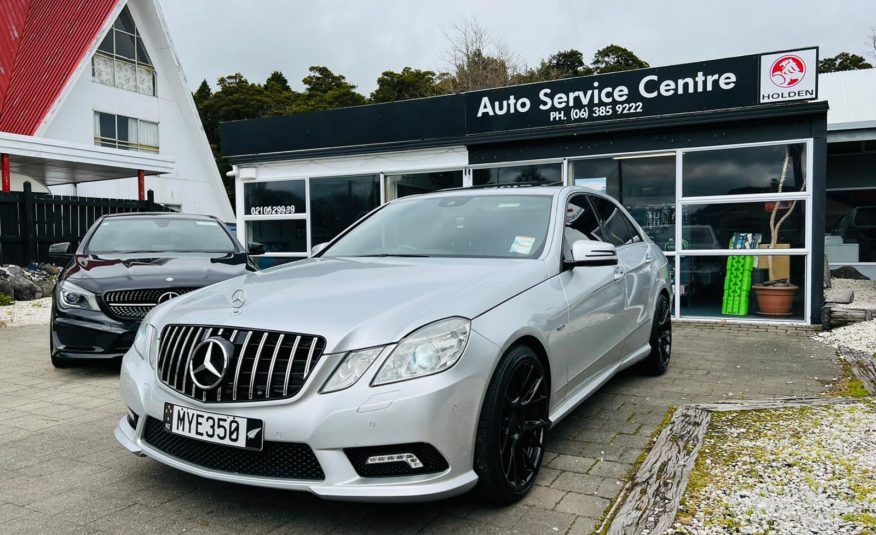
[{"x": 216, "y": 428}]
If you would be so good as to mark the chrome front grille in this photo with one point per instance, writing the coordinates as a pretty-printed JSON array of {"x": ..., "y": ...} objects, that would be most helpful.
[
  {"x": 265, "y": 365},
  {"x": 135, "y": 304}
]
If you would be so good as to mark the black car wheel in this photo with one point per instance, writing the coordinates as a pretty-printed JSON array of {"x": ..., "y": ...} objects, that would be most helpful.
[
  {"x": 661, "y": 338},
  {"x": 514, "y": 419}
]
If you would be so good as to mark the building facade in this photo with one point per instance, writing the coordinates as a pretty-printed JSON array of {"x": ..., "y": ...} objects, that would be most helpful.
[
  {"x": 92, "y": 93},
  {"x": 707, "y": 157}
]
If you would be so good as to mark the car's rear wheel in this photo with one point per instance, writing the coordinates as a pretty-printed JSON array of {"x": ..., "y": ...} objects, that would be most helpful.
[
  {"x": 657, "y": 361},
  {"x": 514, "y": 419}
]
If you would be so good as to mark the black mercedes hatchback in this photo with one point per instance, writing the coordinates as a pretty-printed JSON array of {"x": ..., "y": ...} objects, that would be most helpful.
[{"x": 125, "y": 265}]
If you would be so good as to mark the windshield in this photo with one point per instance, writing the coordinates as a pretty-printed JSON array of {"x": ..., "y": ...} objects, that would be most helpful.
[
  {"x": 159, "y": 234},
  {"x": 485, "y": 226}
]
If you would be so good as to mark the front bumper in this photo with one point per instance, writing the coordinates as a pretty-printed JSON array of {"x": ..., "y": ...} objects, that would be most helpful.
[
  {"x": 89, "y": 334},
  {"x": 441, "y": 410}
]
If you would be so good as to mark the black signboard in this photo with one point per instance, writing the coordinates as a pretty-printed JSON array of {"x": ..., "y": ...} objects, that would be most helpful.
[{"x": 709, "y": 85}]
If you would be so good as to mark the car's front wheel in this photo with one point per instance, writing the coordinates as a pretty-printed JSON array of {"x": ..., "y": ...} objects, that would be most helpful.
[{"x": 514, "y": 419}]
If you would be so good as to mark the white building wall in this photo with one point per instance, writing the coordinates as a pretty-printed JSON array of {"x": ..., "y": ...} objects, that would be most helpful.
[{"x": 195, "y": 184}]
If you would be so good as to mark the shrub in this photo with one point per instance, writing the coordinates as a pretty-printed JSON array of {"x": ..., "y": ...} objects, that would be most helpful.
[{"x": 6, "y": 300}]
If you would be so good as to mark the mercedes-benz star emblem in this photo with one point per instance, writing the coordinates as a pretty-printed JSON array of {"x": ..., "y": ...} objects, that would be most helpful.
[
  {"x": 209, "y": 362},
  {"x": 238, "y": 298},
  {"x": 167, "y": 296}
]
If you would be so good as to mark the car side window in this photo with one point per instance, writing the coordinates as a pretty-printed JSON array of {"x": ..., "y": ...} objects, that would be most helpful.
[
  {"x": 581, "y": 224},
  {"x": 616, "y": 229}
]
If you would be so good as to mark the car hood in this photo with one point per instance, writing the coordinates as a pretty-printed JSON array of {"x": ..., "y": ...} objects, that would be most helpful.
[
  {"x": 356, "y": 302},
  {"x": 99, "y": 273}
]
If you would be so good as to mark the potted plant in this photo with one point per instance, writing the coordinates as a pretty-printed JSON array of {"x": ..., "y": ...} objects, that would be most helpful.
[{"x": 776, "y": 296}]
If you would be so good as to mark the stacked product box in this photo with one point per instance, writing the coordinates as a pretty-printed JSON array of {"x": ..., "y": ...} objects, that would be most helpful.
[{"x": 737, "y": 285}]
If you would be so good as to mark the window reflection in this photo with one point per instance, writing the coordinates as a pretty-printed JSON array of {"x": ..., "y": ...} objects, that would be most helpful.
[
  {"x": 851, "y": 226},
  {"x": 414, "y": 184},
  {"x": 713, "y": 226},
  {"x": 549, "y": 173},
  {"x": 747, "y": 170},
  {"x": 645, "y": 185},
  {"x": 338, "y": 202}
]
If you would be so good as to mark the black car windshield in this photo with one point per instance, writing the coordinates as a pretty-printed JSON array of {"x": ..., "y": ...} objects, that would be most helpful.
[
  {"x": 486, "y": 226},
  {"x": 159, "y": 234}
]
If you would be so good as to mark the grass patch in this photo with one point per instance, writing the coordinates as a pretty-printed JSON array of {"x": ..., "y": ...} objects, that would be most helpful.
[
  {"x": 6, "y": 300},
  {"x": 848, "y": 386}
]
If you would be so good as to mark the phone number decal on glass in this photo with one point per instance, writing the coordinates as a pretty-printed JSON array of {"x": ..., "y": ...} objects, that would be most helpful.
[{"x": 272, "y": 210}]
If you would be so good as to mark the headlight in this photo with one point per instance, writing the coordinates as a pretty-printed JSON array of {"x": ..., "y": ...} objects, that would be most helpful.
[
  {"x": 426, "y": 351},
  {"x": 143, "y": 339},
  {"x": 72, "y": 296},
  {"x": 351, "y": 369}
]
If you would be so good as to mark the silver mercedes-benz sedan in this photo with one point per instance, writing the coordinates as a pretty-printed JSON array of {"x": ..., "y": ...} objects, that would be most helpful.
[{"x": 423, "y": 352}]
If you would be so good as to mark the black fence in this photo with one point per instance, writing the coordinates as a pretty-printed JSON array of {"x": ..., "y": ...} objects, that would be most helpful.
[{"x": 30, "y": 222}]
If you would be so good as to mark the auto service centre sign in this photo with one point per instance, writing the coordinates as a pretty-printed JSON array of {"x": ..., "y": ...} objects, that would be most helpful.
[{"x": 694, "y": 87}]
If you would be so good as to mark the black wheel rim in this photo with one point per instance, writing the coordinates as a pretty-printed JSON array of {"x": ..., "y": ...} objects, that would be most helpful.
[
  {"x": 664, "y": 332},
  {"x": 522, "y": 424}
]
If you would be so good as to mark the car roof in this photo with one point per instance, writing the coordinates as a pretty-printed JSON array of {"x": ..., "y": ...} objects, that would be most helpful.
[
  {"x": 508, "y": 189},
  {"x": 168, "y": 215}
]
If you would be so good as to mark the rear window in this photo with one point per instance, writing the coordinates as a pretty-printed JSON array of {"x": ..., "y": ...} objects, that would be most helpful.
[{"x": 160, "y": 234}]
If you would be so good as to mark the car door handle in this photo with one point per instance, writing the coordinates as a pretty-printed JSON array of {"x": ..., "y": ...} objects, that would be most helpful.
[{"x": 618, "y": 272}]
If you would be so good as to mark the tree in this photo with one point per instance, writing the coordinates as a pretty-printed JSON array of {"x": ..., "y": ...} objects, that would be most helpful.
[
  {"x": 280, "y": 95},
  {"x": 407, "y": 84},
  {"x": 563, "y": 64},
  {"x": 615, "y": 58},
  {"x": 277, "y": 83},
  {"x": 476, "y": 60},
  {"x": 202, "y": 94},
  {"x": 844, "y": 61},
  {"x": 326, "y": 90}
]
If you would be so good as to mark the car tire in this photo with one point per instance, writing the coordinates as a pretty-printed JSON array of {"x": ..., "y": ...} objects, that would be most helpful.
[
  {"x": 509, "y": 447},
  {"x": 657, "y": 361}
]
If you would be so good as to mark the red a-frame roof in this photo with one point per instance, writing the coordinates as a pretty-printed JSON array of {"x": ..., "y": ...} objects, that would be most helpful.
[{"x": 42, "y": 42}]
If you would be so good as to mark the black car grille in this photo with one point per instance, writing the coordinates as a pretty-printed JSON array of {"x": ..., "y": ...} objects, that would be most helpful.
[
  {"x": 287, "y": 460},
  {"x": 265, "y": 365},
  {"x": 135, "y": 304},
  {"x": 431, "y": 459}
]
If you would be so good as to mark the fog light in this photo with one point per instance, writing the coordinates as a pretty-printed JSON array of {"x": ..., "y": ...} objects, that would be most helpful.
[
  {"x": 132, "y": 418},
  {"x": 408, "y": 458}
]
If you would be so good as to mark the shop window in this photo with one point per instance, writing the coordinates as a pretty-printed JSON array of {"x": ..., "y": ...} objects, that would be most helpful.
[
  {"x": 279, "y": 236},
  {"x": 850, "y": 231},
  {"x": 120, "y": 132},
  {"x": 121, "y": 59},
  {"x": 716, "y": 226},
  {"x": 414, "y": 184},
  {"x": 282, "y": 197},
  {"x": 720, "y": 286},
  {"x": 744, "y": 171},
  {"x": 337, "y": 202},
  {"x": 645, "y": 185},
  {"x": 547, "y": 173}
]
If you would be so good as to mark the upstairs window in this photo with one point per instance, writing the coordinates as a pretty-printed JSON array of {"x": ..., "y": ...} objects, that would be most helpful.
[
  {"x": 120, "y": 132},
  {"x": 121, "y": 59}
]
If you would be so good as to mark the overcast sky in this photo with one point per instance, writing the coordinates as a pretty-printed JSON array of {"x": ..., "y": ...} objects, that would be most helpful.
[{"x": 360, "y": 39}]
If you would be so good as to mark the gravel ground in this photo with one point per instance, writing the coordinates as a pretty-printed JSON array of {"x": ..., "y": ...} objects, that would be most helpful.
[
  {"x": 788, "y": 471},
  {"x": 26, "y": 313},
  {"x": 865, "y": 292},
  {"x": 860, "y": 336}
]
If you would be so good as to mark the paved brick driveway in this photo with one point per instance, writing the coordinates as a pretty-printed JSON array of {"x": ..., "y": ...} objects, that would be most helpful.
[{"x": 61, "y": 470}]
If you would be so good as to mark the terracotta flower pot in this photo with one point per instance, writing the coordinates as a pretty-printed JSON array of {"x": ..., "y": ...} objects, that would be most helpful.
[{"x": 774, "y": 300}]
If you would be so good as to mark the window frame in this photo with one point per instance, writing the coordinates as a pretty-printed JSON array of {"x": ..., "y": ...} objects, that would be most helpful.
[
  {"x": 116, "y": 143},
  {"x": 147, "y": 65}
]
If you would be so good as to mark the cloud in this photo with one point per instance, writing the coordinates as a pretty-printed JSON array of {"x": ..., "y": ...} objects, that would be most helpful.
[{"x": 362, "y": 38}]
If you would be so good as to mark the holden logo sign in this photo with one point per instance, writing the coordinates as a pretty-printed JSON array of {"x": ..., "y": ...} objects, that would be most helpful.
[
  {"x": 788, "y": 76},
  {"x": 787, "y": 71}
]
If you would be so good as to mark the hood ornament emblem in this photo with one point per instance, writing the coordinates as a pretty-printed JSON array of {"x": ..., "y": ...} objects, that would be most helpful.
[
  {"x": 167, "y": 296},
  {"x": 238, "y": 298},
  {"x": 208, "y": 362}
]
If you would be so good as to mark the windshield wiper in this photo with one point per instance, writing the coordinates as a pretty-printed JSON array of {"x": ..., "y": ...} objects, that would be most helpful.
[{"x": 384, "y": 255}]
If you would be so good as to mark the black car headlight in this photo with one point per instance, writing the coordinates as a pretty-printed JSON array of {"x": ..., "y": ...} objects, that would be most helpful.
[
  {"x": 431, "y": 349},
  {"x": 71, "y": 296}
]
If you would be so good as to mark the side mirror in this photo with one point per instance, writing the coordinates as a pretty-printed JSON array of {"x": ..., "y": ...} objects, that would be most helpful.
[
  {"x": 60, "y": 250},
  {"x": 255, "y": 248},
  {"x": 593, "y": 253},
  {"x": 316, "y": 249}
]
